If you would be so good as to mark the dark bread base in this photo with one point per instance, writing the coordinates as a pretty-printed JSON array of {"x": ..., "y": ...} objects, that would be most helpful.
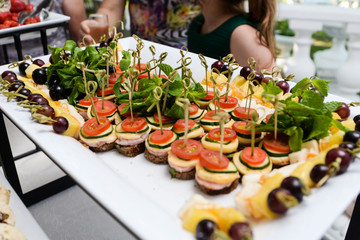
[
  {"x": 103, "y": 148},
  {"x": 183, "y": 175},
  {"x": 221, "y": 191},
  {"x": 156, "y": 159},
  {"x": 132, "y": 150}
]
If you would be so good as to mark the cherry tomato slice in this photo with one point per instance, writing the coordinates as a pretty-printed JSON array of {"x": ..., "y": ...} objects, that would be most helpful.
[
  {"x": 109, "y": 108},
  {"x": 242, "y": 112},
  {"x": 229, "y": 134},
  {"x": 267, "y": 118},
  {"x": 107, "y": 90},
  {"x": 137, "y": 124},
  {"x": 190, "y": 151},
  {"x": 87, "y": 102},
  {"x": 211, "y": 160},
  {"x": 114, "y": 77},
  {"x": 158, "y": 138},
  {"x": 180, "y": 124},
  {"x": 281, "y": 144},
  {"x": 230, "y": 103},
  {"x": 164, "y": 119},
  {"x": 121, "y": 107},
  {"x": 193, "y": 109},
  {"x": 210, "y": 95},
  {"x": 92, "y": 128},
  {"x": 258, "y": 157},
  {"x": 209, "y": 114},
  {"x": 240, "y": 127}
]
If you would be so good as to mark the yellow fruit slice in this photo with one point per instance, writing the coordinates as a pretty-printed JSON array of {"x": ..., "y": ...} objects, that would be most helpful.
[
  {"x": 258, "y": 202},
  {"x": 29, "y": 70},
  {"x": 194, "y": 216},
  {"x": 227, "y": 217}
]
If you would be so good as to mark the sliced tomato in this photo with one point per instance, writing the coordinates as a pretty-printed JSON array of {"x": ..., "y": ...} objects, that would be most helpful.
[
  {"x": 107, "y": 90},
  {"x": 92, "y": 128},
  {"x": 212, "y": 160},
  {"x": 193, "y": 109},
  {"x": 231, "y": 102},
  {"x": 267, "y": 118},
  {"x": 164, "y": 119},
  {"x": 229, "y": 134},
  {"x": 281, "y": 144},
  {"x": 137, "y": 124},
  {"x": 210, "y": 95},
  {"x": 180, "y": 124},
  {"x": 87, "y": 102},
  {"x": 114, "y": 77},
  {"x": 243, "y": 112},
  {"x": 109, "y": 108},
  {"x": 142, "y": 65},
  {"x": 158, "y": 138},
  {"x": 209, "y": 115},
  {"x": 190, "y": 151},
  {"x": 240, "y": 127},
  {"x": 121, "y": 107},
  {"x": 258, "y": 157}
]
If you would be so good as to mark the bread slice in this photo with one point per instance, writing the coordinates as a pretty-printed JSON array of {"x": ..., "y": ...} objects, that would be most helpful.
[
  {"x": 103, "y": 148},
  {"x": 182, "y": 175},
  {"x": 156, "y": 159},
  {"x": 131, "y": 150},
  {"x": 225, "y": 190}
]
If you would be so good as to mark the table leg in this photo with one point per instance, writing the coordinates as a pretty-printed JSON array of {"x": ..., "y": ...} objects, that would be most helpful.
[
  {"x": 18, "y": 46},
  {"x": 5, "y": 54},
  {"x": 44, "y": 41},
  {"x": 7, "y": 159}
]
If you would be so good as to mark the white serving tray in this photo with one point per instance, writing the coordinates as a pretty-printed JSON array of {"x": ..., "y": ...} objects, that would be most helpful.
[
  {"x": 54, "y": 18},
  {"x": 146, "y": 200}
]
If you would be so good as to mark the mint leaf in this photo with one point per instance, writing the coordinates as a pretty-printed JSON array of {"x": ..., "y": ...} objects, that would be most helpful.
[
  {"x": 298, "y": 88},
  {"x": 271, "y": 88},
  {"x": 167, "y": 69},
  {"x": 296, "y": 135},
  {"x": 312, "y": 99},
  {"x": 332, "y": 106},
  {"x": 175, "y": 112},
  {"x": 175, "y": 88},
  {"x": 338, "y": 124},
  {"x": 70, "y": 45},
  {"x": 320, "y": 127},
  {"x": 125, "y": 60},
  {"x": 196, "y": 92},
  {"x": 322, "y": 86}
]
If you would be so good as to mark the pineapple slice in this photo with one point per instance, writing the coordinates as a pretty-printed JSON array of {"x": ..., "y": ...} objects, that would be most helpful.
[
  {"x": 227, "y": 217},
  {"x": 258, "y": 202},
  {"x": 29, "y": 70},
  {"x": 194, "y": 215}
]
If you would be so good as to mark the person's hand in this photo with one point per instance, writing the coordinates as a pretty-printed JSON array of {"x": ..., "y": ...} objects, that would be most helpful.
[{"x": 85, "y": 31}]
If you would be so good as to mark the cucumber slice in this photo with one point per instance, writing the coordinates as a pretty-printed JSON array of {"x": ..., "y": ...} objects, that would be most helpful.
[
  {"x": 118, "y": 127},
  {"x": 214, "y": 141},
  {"x": 274, "y": 153},
  {"x": 236, "y": 118},
  {"x": 231, "y": 168},
  {"x": 180, "y": 134},
  {"x": 151, "y": 121},
  {"x": 164, "y": 145},
  {"x": 259, "y": 167},
  {"x": 104, "y": 134},
  {"x": 248, "y": 136}
]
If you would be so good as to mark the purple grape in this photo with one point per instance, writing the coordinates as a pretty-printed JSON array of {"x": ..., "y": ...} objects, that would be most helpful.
[
  {"x": 318, "y": 172},
  {"x": 24, "y": 91},
  {"x": 351, "y": 136},
  {"x": 245, "y": 71},
  {"x": 10, "y": 78},
  {"x": 40, "y": 101},
  {"x": 22, "y": 67},
  {"x": 218, "y": 65},
  {"x": 61, "y": 125},
  {"x": 295, "y": 186},
  {"x": 39, "y": 62},
  {"x": 276, "y": 198},
  {"x": 205, "y": 229},
  {"x": 7, "y": 72},
  {"x": 284, "y": 85},
  {"x": 339, "y": 153},
  {"x": 14, "y": 87},
  {"x": 32, "y": 96},
  {"x": 259, "y": 77},
  {"x": 343, "y": 111},
  {"x": 47, "y": 111},
  {"x": 356, "y": 118},
  {"x": 39, "y": 76},
  {"x": 348, "y": 145},
  {"x": 266, "y": 80},
  {"x": 240, "y": 231},
  {"x": 357, "y": 126}
]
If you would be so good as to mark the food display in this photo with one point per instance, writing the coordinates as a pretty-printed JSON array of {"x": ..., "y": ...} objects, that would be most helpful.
[
  {"x": 9, "y": 18},
  {"x": 232, "y": 136}
]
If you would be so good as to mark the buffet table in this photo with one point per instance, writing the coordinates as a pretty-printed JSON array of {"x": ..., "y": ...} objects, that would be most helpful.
[{"x": 146, "y": 200}]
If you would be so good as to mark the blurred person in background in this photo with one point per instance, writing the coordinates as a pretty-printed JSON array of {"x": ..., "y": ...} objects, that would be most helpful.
[
  {"x": 225, "y": 27},
  {"x": 161, "y": 21},
  {"x": 73, "y": 8}
]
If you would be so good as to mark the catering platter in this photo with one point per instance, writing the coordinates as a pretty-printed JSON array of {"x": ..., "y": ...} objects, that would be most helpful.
[
  {"x": 144, "y": 197},
  {"x": 54, "y": 18}
]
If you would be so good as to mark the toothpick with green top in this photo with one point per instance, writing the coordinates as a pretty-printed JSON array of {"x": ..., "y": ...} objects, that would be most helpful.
[
  {"x": 139, "y": 46},
  {"x": 161, "y": 59},
  {"x": 254, "y": 119},
  {"x": 185, "y": 104},
  {"x": 170, "y": 79},
  {"x": 249, "y": 96},
  {"x": 217, "y": 96},
  {"x": 204, "y": 64},
  {"x": 129, "y": 85},
  {"x": 222, "y": 116},
  {"x": 157, "y": 92},
  {"x": 232, "y": 67},
  {"x": 91, "y": 88}
]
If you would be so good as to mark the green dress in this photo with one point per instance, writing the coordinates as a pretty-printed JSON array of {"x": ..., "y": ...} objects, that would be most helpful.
[{"x": 215, "y": 44}]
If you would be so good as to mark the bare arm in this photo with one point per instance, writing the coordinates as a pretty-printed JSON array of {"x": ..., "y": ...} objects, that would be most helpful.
[
  {"x": 77, "y": 15},
  {"x": 113, "y": 8},
  {"x": 245, "y": 43}
]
